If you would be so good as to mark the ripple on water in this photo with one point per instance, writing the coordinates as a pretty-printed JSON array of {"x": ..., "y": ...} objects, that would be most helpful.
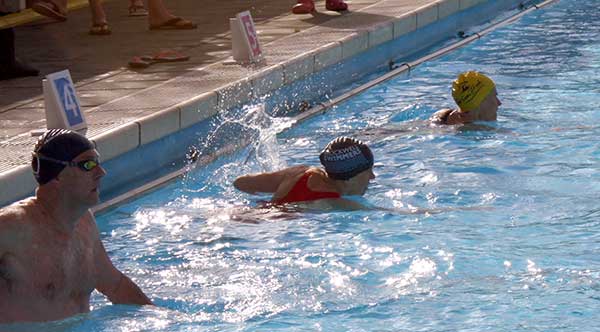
[{"x": 508, "y": 242}]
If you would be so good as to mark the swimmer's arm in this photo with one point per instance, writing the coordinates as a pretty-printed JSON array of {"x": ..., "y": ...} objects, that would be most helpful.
[
  {"x": 266, "y": 182},
  {"x": 13, "y": 235},
  {"x": 111, "y": 282},
  {"x": 12, "y": 230},
  {"x": 4, "y": 247},
  {"x": 5, "y": 235}
]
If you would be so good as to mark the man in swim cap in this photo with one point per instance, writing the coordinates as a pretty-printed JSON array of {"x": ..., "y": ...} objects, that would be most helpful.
[
  {"x": 347, "y": 170},
  {"x": 476, "y": 97},
  {"x": 51, "y": 256}
]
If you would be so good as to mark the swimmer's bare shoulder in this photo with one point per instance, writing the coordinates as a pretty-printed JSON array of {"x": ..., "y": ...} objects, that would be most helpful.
[
  {"x": 446, "y": 116},
  {"x": 440, "y": 116}
]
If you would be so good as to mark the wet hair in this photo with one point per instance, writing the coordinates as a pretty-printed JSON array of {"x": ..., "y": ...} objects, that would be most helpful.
[
  {"x": 346, "y": 157},
  {"x": 53, "y": 147}
]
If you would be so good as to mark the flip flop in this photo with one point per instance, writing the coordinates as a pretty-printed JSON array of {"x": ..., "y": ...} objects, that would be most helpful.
[
  {"x": 138, "y": 62},
  {"x": 100, "y": 29},
  {"x": 304, "y": 7},
  {"x": 146, "y": 61},
  {"x": 167, "y": 56},
  {"x": 176, "y": 23},
  {"x": 137, "y": 10},
  {"x": 49, "y": 9},
  {"x": 336, "y": 5}
]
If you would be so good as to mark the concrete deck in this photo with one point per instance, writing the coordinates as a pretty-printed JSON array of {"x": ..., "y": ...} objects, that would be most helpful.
[{"x": 127, "y": 108}]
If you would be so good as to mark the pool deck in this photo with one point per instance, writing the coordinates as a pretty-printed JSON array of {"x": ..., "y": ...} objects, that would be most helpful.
[{"x": 127, "y": 108}]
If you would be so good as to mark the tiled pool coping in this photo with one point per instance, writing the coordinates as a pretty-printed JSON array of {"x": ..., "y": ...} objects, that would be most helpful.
[{"x": 288, "y": 60}]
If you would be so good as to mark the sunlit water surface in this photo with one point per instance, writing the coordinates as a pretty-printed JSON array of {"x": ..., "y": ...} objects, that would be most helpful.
[{"x": 512, "y": 243}]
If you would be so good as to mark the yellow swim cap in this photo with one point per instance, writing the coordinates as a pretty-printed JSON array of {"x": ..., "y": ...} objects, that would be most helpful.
[{"x": 470, "y": 89}]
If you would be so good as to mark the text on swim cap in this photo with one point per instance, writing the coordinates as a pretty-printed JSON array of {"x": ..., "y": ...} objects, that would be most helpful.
[{"x": 343, "y": 154}]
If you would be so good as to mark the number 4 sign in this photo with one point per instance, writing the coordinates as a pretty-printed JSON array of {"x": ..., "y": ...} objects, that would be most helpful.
[
  {"x": 246, "y": 47},
  {"x": 63, "y": 109}
]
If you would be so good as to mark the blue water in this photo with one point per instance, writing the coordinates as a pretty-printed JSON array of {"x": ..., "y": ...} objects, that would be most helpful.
[{"x": 512, "y": 242}]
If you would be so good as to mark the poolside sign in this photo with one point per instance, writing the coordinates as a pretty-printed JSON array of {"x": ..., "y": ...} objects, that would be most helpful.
[
  {"x": 244, "y": 39},
  {"x": 63, "y": 108}
]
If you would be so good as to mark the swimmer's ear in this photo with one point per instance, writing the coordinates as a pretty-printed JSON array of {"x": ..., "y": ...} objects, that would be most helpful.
[
  {"x": 59, "y": 175},
  {"x": 54, "y": 181},
  {"x": 52, "y": 185}
]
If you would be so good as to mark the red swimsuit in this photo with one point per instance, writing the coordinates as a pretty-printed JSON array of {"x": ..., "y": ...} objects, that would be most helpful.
[{"x": 301, "y": 193}]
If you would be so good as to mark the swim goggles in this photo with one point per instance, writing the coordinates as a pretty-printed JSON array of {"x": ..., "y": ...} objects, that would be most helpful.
[{"x": 86, "y": 165}]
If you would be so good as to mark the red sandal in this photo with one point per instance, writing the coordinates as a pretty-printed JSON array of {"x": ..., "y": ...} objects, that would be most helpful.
[
  {"x": 304, "y": 7},
  {"x": 336, "y": 5}
]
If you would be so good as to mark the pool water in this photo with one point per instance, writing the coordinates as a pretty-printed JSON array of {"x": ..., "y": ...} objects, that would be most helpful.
[{"x": 511, "y": 243}]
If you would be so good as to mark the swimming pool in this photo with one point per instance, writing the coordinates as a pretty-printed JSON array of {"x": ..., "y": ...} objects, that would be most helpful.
[{"x": 515, "y": 247}]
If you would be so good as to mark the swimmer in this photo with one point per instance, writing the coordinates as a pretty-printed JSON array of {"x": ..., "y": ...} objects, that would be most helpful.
[
  {"x": 476, "y": 97},
  {"x": 51, "y": 255},
  {"x": 347, "y": 170}
]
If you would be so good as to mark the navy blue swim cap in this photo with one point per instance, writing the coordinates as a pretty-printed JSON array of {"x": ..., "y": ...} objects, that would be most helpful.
[
  {"x": 345, "y": 157},
  {"x": 58, "y": 144}
]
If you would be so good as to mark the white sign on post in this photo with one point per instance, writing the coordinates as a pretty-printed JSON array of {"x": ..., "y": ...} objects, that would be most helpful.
[
  {"x": 245, "y": 44},
  {"x": 63, "y": 109}
]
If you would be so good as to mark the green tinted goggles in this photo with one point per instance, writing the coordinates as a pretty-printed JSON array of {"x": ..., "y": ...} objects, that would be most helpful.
[{"x": 85, "y": 165}]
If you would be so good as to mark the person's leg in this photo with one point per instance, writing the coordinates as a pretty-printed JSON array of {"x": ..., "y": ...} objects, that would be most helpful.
[
  {"x": 10, "y": 67},
  {"x": 7, "y": 46},
  {"x": 137, "y": 8},
  {"x": 99, "y": 22},
  {"x": 304, "y": 7},
  {"x": 160, "y": 18},
  {"x": 98, "y": 14}
]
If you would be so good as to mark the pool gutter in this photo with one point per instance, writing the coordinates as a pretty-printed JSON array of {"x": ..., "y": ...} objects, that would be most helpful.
[{"x": 333, "y": 45}]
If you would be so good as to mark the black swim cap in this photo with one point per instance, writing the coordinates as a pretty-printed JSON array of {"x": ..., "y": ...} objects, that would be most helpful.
[
  {"x": 345, "y": 157},
  {"x": 58, "y": 144}
]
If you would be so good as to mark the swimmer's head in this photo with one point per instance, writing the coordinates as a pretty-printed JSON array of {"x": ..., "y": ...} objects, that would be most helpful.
[
  {"x": 470, "y": 89},
  {"x": 345, "y": 157},
  {"x": 52, "y": 148}
]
